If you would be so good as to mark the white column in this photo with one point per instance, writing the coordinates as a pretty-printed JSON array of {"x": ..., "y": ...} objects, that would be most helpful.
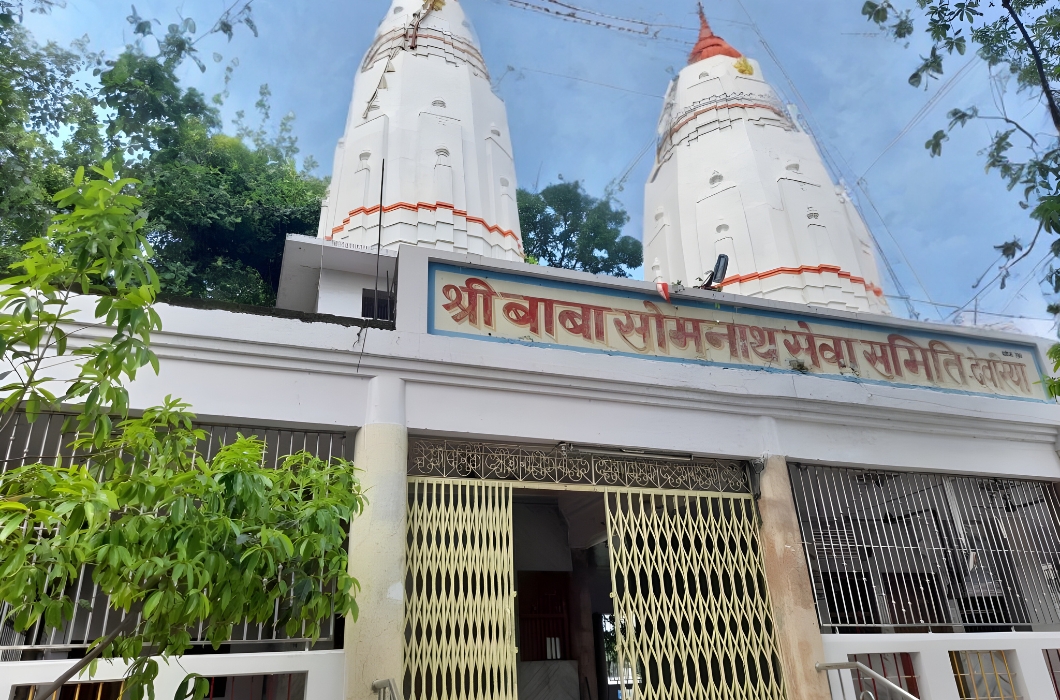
[
  {"x": 373, "y": 644},
  {"x": 1032, "y": 673},
  {"x": 934, "y": 674}
]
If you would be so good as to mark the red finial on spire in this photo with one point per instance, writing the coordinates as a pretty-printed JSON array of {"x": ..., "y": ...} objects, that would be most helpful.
[{"x": 709, "y": 44}]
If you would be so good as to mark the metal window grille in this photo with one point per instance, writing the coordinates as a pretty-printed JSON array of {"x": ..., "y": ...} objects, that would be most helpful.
[
  {"x": 273, "y": 686},
  {"x": 1052, "y": 660},
  {"x": 99, "y": 690},
  {"x": 459, "y": 590},
  {"x": 899, "y": 551},
  {"x": 897, "y": 668},
  {"x": 22, "y": 442},
  {"x": 693, "y": 616},
  {"x": 983, "y": 675},
  {"x": 552, "y": 465}
]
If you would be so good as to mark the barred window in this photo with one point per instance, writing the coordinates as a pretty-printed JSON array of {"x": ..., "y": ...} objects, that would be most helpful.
[
  {"x": 22, "y": 442},
  {"x": 908, "y": 552},
  {"x": 897, "y": 668},
  {"x": 983, "y": 675}
]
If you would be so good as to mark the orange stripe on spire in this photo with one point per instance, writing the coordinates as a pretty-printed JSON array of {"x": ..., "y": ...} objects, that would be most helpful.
[
  {"x": 819, "y": 269},
  {"x": 408, "y": 206}
]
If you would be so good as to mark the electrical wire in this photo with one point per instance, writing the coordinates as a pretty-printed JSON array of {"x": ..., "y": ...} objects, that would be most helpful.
[
  {"x": 924, "y": 110},
  {"x": 989, "y": 286},
  {"x": 981, "y": 312},
  {"x": 644, "y": 29},
  {"x": 836, "y": 170},
  {"x": 1030, "y": 277},
  {"x": 592, "y": 82},
  {"x": 618, "y": 184}
]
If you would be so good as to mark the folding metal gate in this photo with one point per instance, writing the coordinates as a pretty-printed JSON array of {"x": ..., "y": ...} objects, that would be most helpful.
[
  {"x": 692, "y": 613},
  {"x": 459, "y": 608}
]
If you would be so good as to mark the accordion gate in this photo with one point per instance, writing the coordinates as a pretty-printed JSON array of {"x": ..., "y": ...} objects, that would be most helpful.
[
  {"x": 692, "y": 611},
  {"x": 693, "y": 617},
  {"x": 459, "y": 590}
]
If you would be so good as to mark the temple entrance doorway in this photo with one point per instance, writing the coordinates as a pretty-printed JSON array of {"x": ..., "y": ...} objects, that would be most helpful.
[
  {"x": 563, "y": 580},
  {"x": 597, "y": 589}
]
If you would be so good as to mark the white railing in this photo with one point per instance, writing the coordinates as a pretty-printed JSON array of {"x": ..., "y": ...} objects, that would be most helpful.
[
  {"x": 386, "y": 689},
  {"x": 887, "y": 683}
]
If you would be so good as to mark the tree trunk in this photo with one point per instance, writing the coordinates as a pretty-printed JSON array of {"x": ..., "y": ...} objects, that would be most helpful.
[{"x": 1050, "y": 98}]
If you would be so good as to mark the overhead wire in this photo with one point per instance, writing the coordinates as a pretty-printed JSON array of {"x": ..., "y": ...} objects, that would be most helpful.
[
  {"x": 592, "y": 82},
  {"x": 653, "y": 30},
  {"x": 984, "y": 313},
  {"x": 836, "y": 169},
  {"x": 618, "y": 184},
  {"x": 579, "y": 15},
  {"x": 1031, "y": 276},
  {"x": 924, "y": 110}
]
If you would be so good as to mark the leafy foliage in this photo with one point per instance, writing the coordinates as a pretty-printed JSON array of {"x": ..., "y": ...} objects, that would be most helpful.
[
  {"x": 179, "y": 540},
  {"x": 38, "y": 99},
  {"x": 175, "y": 541},
  {"x": 1020, "y": 41},
  {"x": 220, "y": 210},
  {"x": 564, "y": 226},
  {"x": 1052, "y": 384},
  {"x": 97, "y": 247},
  {"x": 218, "y": 207}
]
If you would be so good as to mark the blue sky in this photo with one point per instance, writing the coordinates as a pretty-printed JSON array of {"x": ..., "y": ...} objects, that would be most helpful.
[{"x": 937, "y": 219}]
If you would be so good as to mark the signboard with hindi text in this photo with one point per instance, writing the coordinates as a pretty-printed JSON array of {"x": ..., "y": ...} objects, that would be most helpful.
[{"x": 498, "y": 306}]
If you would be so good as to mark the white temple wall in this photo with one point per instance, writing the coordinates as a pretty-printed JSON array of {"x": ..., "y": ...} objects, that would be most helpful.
[
  {"x": 324, "y": 669},
  {"x": 241, "y": 368},
  {"x": 266, "y": 369}
]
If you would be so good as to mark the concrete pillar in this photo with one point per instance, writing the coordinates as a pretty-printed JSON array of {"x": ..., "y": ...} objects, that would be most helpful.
[
  {"x": 934, "y": 675},
  {"x": 788, "y": 578},
  {"x": 373, "y": 644},
  {"x": 1033, "y": 677}
]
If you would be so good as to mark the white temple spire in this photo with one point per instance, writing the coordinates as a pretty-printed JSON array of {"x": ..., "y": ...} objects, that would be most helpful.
[
  {"x": 735, "y": 175},
  {"x": 422, "y": 100}
]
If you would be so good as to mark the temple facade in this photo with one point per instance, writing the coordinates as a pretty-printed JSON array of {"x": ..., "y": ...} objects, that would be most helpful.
[{"x": 580, "y": 490}]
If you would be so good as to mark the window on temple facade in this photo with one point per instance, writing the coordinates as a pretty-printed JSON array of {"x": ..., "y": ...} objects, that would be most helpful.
[
  {"x": 983, "y": 675},
  {"x": 922, "y": 552},
  {"x": 897, "y": 668}
]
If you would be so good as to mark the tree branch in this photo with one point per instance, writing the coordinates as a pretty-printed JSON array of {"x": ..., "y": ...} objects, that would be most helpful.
[
  {"x": 1029, "y": 248},
  {"x": 128, "y": 622},
  {"x": 1015, "y": 124},
  {"x": 1054, "y": 110}
]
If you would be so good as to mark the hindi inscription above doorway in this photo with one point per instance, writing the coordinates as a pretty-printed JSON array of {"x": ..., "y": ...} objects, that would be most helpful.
[{"x": 490, "y": 305}]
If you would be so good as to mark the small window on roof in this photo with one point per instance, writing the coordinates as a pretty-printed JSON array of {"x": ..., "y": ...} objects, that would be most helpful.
[{"x": 384, "y": 306}]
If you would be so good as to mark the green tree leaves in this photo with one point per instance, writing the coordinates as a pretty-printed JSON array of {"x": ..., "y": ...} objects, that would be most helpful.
[
  {"x": 176, "y": 542},
  {"x": 220, "y": 211},
  {"x": 563, "y": 226},
  {"x": 97, "y": 246},
  {"x": 1023, "y": 38},
  {"x": 181, "y": 541}
]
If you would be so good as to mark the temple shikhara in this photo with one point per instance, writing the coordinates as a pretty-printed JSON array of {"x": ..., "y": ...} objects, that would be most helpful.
[
  {"x": 736, "y": 175},
  {"x": 584, "y": 487}
]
